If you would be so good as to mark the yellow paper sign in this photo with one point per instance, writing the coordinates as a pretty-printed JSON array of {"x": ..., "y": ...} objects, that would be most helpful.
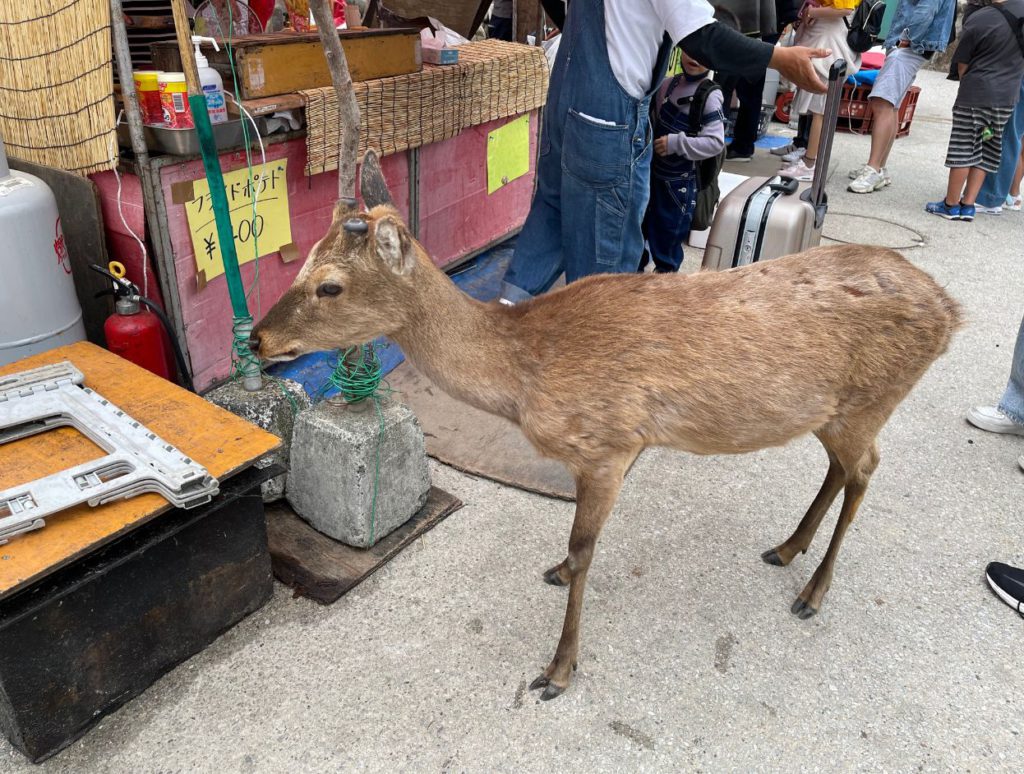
[
  {"x": 508, "y": 153},
  {"x": 266, "y": 229}
]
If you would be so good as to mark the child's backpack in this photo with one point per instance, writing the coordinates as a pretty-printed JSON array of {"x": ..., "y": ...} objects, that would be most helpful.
[
  {"x": 708, "y": 192},
  {"x": 1016, "y": 24},
  {"x": 865, "y": 26}
]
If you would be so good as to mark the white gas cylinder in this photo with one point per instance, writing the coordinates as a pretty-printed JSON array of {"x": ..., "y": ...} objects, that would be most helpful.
[{"x": 38, "y": 306}]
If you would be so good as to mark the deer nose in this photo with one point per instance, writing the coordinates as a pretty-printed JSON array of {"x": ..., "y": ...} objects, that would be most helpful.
[{"x": 254, "y": 343}]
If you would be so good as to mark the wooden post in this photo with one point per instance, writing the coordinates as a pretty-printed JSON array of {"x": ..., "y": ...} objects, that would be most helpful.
[
  {"x": 348, "y": 107},
  {"x": 188, "y": 56},
  {"x": 527, "y": 16}
]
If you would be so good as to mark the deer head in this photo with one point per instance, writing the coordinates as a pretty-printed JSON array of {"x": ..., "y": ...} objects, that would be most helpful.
[{"x": 355, "y": 285}]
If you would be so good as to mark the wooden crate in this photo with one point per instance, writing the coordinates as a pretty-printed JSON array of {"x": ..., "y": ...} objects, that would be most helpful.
[
  {"x": 284, "y": 62},
  {"x": 78, "y": 644}
]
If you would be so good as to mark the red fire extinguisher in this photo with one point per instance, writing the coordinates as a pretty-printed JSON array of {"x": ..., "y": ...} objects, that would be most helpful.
[{"x": 139, "y": 330}]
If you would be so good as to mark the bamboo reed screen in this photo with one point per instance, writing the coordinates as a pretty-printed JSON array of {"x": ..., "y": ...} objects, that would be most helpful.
[
  {"x": 56, "y": 83},
  {"x": 492, "y": 80}
]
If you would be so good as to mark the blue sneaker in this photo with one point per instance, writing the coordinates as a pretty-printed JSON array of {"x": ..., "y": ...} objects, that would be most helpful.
[
  {"x": 967, "y": 212},
  {"x": 943, "y": 210}
]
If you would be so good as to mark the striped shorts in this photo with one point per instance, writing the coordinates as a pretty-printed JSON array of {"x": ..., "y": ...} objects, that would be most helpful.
[{"x": 970, "y": 145}]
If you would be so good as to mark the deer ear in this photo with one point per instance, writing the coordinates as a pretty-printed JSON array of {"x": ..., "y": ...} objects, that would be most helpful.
[
  {"x": 371, "y": 181},
  {"x": 393, "y": 245}
]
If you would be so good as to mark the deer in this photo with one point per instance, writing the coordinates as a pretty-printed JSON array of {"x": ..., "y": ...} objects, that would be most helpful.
[{"x": 828, "y": 341}]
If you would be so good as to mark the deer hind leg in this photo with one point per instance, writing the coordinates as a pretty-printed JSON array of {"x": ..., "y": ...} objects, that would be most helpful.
[
  {"x": 800, "y": 540},
  {"x": 596, "y": 492},
  {"x": 858, "y": 474}
]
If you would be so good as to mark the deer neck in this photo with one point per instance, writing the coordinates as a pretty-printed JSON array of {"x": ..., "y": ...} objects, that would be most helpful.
[{"x": 466, "y": 348}]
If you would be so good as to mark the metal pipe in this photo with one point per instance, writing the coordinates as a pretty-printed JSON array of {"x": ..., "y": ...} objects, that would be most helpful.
[{"x": 123, "y": 56}]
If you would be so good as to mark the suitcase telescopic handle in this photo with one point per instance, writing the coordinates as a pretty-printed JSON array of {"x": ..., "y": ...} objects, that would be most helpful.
[{"x": 836, "y": 79}]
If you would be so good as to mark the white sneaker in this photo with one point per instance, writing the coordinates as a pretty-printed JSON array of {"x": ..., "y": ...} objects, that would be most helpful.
[
  {"x": 990, "y": 210},
  {"x": 1013, "y": 203},
  {"x": 993, "y": 420},
  {"x": 798, "y": 171},
  {"x": 855, "y": 173},
  {"x": 782, "y": 150},
  {"x": 794, "y": 155},
  {"x": 870, "y": 180}
]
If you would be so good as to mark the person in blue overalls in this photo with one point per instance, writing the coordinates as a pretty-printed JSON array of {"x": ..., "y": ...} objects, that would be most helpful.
[
  {"x": 689, "y": 126},
  {"x": 594, "y": 168}
]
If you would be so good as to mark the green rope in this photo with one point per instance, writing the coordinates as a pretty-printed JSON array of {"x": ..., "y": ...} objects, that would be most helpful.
[{"x": 357, "y": 375}]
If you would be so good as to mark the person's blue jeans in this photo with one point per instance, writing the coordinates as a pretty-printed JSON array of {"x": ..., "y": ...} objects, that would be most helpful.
[
  {"x": 593, "y": 174},
  {"x": 667, "y": 221},
  {"x": 996, "y": 187},
  {"x": 586, "y": 215},
  {"x": 1012, "y": 403}
]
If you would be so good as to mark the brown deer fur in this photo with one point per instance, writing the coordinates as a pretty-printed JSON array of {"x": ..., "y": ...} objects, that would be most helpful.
[{"x": 828, "y": 342}]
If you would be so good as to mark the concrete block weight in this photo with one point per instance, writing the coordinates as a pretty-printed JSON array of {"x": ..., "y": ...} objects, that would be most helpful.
[
  {"x": 274, "y": 408},
  {"x": 334, "y": 470}
]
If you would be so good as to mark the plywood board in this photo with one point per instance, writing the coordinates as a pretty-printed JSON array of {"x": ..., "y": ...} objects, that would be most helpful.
[
  {"x": 324, "y": 569},
  {"x": 215, "y": 438},
  {"x": 477, "y": 442}
]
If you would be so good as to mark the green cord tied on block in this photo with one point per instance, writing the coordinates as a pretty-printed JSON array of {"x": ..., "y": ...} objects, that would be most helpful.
[{"x": 357, "y": 375}]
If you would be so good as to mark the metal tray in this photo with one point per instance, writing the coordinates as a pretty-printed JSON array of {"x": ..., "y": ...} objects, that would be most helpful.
[{"x": 185, "y": 142}]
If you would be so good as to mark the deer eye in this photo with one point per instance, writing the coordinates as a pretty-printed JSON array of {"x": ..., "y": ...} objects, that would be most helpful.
[{"x": 328, "y": 289}]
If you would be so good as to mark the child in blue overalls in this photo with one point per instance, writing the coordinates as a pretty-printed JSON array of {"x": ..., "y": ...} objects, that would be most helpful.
[{"x": 680, "y": 139}]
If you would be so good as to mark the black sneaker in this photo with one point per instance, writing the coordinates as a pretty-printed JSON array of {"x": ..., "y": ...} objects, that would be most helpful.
[
  {"x": 1008, "y": 584},
  {"x": 731, "y": 155}
]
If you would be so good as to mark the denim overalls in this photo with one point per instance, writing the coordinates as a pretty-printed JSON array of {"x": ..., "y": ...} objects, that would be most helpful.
[
  {"x": 673, "y": 190},
  {"x": 594, "y": 169}
]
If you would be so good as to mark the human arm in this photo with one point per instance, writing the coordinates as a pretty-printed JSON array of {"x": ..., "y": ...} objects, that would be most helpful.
[
  {"x": 724, "y": 50},
  {"x": 968, "y": 42}
]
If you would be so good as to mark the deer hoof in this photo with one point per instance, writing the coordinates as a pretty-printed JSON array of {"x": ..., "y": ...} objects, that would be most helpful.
[
  {"x": 551, "y": 690},
  {"x": 803, "y": 610},
  {"x": 553, "y": 577},
  {"x": 771, "y": 556}
]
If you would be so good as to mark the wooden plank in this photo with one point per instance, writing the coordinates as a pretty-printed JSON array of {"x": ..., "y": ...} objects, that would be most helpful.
[
  {"x": 281, "y": 63},
  {"x": 324, "y": 569},
  {"x": 267, "y": 105},
  {"x": 477, "y": 442},
  {"x": 463, "y": 16},
  {"x": 82, "y": 223},
  {"x": 215, "y": 438}
]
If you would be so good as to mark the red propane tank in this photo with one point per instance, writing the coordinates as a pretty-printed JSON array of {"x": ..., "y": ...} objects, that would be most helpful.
[{"x": 137, "y": 335}]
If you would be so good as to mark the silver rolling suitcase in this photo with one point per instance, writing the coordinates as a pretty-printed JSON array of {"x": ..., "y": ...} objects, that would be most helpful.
[{"x": 768, "y": 217}]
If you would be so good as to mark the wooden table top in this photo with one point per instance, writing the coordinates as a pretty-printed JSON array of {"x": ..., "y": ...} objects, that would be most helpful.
[{"x": 216, "y": 439}]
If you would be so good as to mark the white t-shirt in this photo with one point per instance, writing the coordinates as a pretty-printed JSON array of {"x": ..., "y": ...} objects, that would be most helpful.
[{"x": 634, "y": 30}]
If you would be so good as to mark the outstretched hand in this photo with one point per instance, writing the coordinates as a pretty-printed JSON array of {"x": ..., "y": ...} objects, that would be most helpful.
[{"x": 795, "y": 63}]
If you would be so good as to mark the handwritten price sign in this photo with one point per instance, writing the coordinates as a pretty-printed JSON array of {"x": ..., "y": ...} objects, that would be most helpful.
[{"x": 264, "y": 230}]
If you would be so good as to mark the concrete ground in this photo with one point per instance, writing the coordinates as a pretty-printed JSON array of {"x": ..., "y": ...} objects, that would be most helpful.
[{"x": 691, "y": 659}]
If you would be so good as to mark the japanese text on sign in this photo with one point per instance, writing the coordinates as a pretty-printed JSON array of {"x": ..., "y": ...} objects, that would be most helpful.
[{"x": 265, "y": 230}]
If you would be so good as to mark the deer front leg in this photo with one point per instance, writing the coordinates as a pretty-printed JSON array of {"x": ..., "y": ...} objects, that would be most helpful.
[
  {"x": 801, "y": 539},
  {"x": 596, "y": 493}
]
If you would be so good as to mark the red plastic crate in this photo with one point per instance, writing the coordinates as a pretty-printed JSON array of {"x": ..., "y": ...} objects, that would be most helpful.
[{"x": 855, "y": 110}]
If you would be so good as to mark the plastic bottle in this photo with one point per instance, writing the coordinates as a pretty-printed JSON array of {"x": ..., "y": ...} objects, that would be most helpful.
[{"x": 213, "y": 86}]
